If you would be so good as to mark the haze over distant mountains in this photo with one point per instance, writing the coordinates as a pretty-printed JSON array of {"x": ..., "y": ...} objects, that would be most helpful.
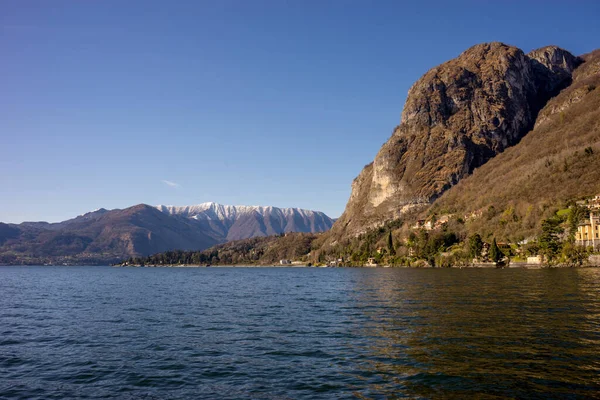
[{"x": 103, "y": 236}]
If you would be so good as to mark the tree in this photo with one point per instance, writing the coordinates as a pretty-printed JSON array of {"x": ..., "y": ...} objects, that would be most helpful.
[
  {"x": 576, "y": 215},
  {"x": 475, "y": 245},
  {"x": 495, "y": 253},
  {"x": 390, "y": 245},
  {"x": 549, "y": 240},
  {"x": 573, "y": 255}
]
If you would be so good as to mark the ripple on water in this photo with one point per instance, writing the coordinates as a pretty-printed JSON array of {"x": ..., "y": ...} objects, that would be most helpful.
[{"x": 97, "y": 332}]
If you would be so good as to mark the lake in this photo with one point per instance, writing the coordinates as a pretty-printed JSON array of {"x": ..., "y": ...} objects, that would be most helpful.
[{"x": 298, "y": 333}]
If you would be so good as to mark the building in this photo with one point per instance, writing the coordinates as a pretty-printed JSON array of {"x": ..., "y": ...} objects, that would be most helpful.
[
  {"x": 432, "y": 222},
  {"x": 588, "y": 232},
  {"x": 443, "y": 220},
  {"x": 422, "y": 224},
  {"x": 285, "y": 262},
  {"x": 371, "y": 262},
  {"x": 535, "y": 260},
  {"x": 594, "y": 203},
  {"x": 339, "y": 262}
]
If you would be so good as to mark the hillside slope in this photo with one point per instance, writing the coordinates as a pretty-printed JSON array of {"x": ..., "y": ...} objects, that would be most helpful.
[
  {"x": 558, "y": 161},
  {"x": 457, "y": 116}
]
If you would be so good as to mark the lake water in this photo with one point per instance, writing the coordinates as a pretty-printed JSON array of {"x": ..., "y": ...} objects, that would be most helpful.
[{"x": 298, "y": 333}]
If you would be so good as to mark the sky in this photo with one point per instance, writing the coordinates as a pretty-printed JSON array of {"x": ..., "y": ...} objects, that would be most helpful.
[{"x": 112, "y": 103}]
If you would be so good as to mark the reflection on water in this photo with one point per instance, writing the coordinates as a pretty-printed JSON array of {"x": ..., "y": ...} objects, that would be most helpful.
[
  {"x": 507, "y": 333},
  {"x": 278, "y": 333}
]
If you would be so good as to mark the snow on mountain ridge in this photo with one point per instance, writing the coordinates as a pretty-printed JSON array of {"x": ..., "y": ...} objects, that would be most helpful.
[
  {"x": 241, "y": 222},
  {"x": 211, "y": 210}
]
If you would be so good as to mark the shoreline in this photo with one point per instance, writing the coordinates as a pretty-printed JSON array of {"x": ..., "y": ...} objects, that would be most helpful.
[{"x": 472, "y": 266}]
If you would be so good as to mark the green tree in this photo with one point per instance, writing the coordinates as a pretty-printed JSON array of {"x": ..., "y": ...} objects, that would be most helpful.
[
  {"x": 390, "y": 245},
  {"x": 495, "y": 253},
  {"x": 475, "y": 245},
  {"x": 573, "y": 255},
  {"x": 576, "y": 215},
  {"x": 549, "y": 240},
  {"x": 531, "y": 248}
]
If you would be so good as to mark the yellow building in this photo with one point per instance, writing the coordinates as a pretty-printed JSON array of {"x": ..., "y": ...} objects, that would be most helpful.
[{"x": 588, "y": 232}]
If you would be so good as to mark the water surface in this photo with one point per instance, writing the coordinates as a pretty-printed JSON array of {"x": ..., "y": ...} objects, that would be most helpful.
[{"x": 298, "y": 333}]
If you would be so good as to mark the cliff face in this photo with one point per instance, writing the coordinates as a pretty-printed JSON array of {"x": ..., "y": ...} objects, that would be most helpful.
[
  {"x": 456, "y": 117},
  {"x": 558, "y": 161}
]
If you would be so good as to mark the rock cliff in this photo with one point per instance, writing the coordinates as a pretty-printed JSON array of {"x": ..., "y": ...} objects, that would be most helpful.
[
  {"x": 556, "y": 162},
  {"x": 456, "y": 117}
]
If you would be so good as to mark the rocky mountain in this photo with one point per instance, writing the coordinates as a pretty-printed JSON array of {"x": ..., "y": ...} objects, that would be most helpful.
[
  {"x": 242, "y": 222},
  {"x": 558, "y": 161},
  {"x": 104, "y": 236},
  {"x": 457, "y": 116}
]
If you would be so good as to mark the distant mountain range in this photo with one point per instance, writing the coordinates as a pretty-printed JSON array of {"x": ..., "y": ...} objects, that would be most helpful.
[
  {"x": 243, "y": 222},
  {"x": 104, "y": 236}
]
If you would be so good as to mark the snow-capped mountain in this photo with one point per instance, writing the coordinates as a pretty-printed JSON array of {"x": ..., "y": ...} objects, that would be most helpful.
[
  {"x": 241, "y": 222},
  {"x": 104, "y": 236}
]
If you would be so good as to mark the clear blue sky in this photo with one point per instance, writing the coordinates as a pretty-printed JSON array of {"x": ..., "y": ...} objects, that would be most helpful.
[{"x": 239, "y": 102}]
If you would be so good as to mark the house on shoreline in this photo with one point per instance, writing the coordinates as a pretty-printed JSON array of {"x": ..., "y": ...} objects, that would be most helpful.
[
  {"x": 371, "y": 262},
  {"x": 588, "y": 232}
]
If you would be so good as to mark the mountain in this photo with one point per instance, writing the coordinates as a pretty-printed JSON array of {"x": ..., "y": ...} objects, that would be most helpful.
[
  {"x": 105, "y": 236},
  {"x": 99, "y": 237},
  {"x": 242, "y": 222},
  {"x": 558, "y": 161},
  {"x": 457, "y": 117}
]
